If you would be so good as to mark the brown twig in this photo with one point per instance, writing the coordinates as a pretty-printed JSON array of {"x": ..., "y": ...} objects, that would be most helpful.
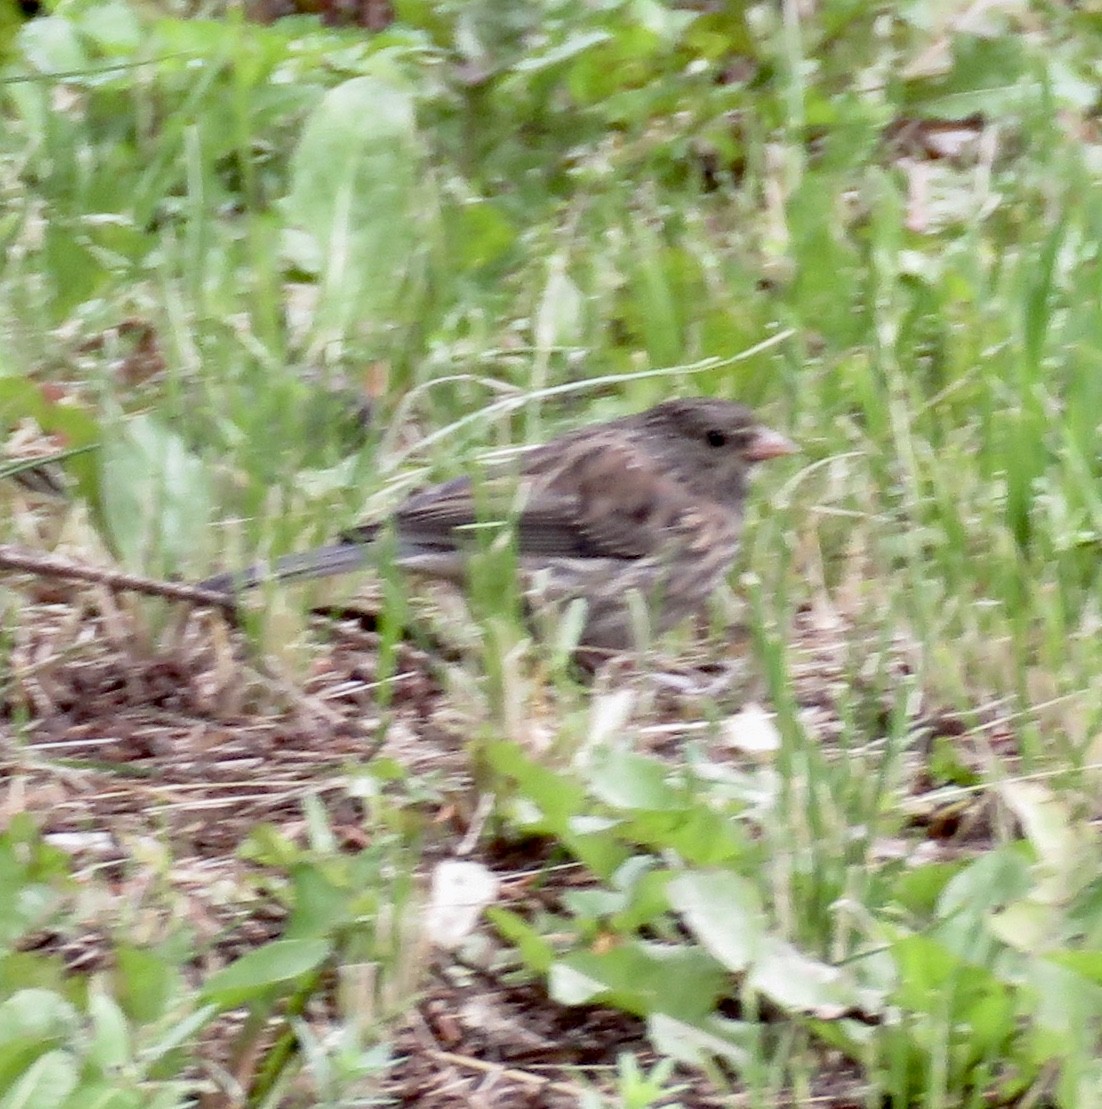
[{"x": 53, "y": 566}]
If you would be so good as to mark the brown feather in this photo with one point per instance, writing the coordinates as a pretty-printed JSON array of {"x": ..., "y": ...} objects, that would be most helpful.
[{"x": 650, "y": 503}]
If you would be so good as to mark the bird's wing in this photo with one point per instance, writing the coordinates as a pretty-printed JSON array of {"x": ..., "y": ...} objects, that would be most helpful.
[
  {"x": 604, "y": 499},
  {"x": 620, "y": 504}
]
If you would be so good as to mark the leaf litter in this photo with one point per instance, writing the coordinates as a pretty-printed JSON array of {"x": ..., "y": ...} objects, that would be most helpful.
[{"x": 116, "y": 750}]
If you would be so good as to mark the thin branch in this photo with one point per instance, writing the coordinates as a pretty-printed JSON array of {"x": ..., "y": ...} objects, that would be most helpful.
[{"x": 53, "y": 566}]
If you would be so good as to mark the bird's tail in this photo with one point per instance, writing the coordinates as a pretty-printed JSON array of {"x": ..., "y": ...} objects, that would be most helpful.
[{"x": 324, "y": 562}]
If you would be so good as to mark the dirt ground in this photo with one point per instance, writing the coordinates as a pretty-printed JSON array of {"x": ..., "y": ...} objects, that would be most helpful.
[{"x": 128, "y": 757}]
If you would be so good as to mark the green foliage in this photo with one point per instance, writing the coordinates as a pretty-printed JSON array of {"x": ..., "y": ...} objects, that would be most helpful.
[
  {"x": 32, "y": 872},
  {"x": 531, "y": 204},
  {"x": 156, "y": 501},
  {"x": 964, "y": 994},
  {"x": 124, "y": 1038},
  {"x": 354, "y": 195}
]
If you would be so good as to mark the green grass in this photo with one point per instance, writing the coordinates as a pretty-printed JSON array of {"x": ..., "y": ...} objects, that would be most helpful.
[{"x": 489, "y": 227}]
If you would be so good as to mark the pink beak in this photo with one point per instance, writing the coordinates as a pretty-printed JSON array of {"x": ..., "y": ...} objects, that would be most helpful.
[{"x": 768, "y": 444}]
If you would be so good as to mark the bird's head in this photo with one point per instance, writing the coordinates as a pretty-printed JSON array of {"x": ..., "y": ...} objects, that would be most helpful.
[{"x": 711, "y": 445}]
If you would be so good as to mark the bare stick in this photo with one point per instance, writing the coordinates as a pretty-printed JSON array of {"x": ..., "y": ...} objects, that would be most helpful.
[{"x": 53, "y": 566}]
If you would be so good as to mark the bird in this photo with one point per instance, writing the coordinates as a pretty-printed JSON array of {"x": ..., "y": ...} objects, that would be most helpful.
[{"x": 649, "y": 504}]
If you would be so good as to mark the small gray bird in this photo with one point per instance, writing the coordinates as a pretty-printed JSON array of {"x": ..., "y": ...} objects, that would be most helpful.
[{"x": 649, "y": 504}]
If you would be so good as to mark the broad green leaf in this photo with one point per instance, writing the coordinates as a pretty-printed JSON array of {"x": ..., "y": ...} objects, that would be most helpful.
[
  {"x": 265, "y": 968},
  {"x": 112, "y": 25},
  {"x": 1085, "y": 963},
  {"x": 1067, "y": 847},
  {"x": 797, "y": 982},
  {"x": 933, "y": 979},
  {"x": 37, "y": 1014},
  {"x": 52, "y": 45},
  {"x": 1028, "y": 926},
  {"x": 11, "y": 18},
  {"x": 698, "y": 1044},
  {"x": 538, "y": 954},
  {"x": 145, "y": 982},
  {"x": 156, "y": 498},
  {"x": 1064, "y": 1006},
  {"x": 355, "y": 199},
  {"x": 724, "y": 912},
  {"x": 989, "y": 883},
  {"x": 641, "y": 978},
  {"x": 320, "y": 904},
  {"x": 558, "y": 798},
  {"x": 45, "y": 1084},
  {"x": 20, "y": 970},
  {"x": 548, "y": 802},
  {"x": 625, "y": 780},
  {"x": 30, "y": 871},
  {"x": 75, "y": 271},
  {"x": 110, "y": 1042}
]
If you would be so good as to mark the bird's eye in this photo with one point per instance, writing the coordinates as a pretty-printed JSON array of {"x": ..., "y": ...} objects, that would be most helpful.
[{"x": 716, "y": 438}]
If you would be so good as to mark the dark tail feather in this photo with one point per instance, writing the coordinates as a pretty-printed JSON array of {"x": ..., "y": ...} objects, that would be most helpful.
[{"x": 338, "y": 558}]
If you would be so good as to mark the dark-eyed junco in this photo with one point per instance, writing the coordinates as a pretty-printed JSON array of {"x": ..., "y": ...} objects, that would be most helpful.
[{"x": 649, "y": 504}]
